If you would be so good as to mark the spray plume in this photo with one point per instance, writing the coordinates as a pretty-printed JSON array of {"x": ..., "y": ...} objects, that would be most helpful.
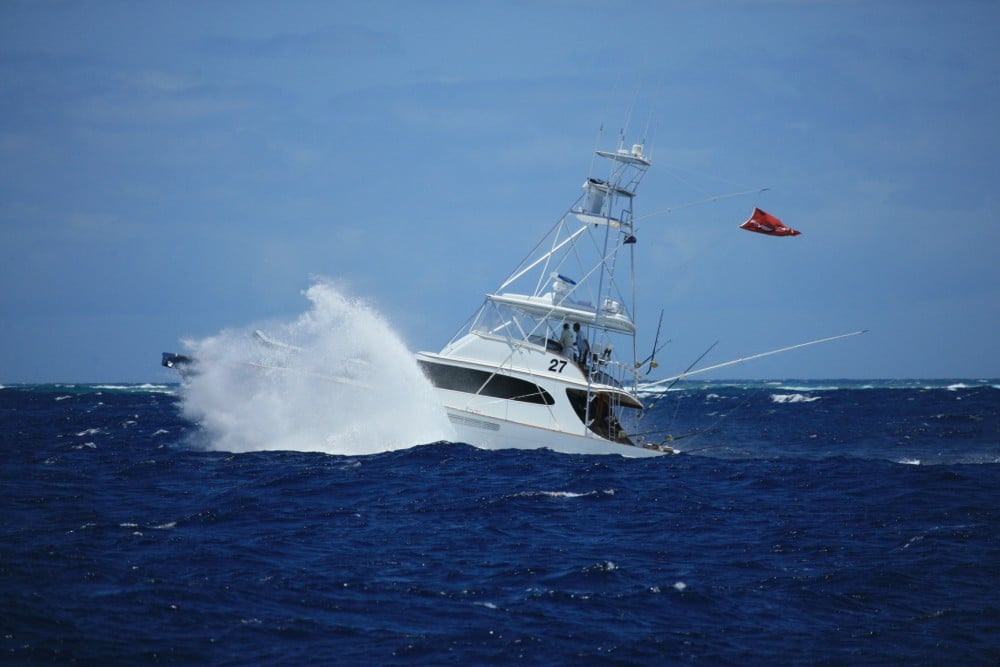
[{"x": 337, "y": 379}]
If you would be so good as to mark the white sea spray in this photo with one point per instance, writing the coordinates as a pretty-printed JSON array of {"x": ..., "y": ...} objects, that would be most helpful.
[{"x": 337, "y": 379}]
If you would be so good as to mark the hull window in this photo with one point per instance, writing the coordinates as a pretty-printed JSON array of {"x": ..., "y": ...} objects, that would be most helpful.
[{"x": 483, "y": 383}]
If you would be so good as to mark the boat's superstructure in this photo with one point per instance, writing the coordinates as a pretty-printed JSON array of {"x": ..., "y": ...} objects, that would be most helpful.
[{"x": 549, "y": 359}]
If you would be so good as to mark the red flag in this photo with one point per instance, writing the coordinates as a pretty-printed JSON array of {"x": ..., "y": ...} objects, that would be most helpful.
[{"x": 765, "y": 223}]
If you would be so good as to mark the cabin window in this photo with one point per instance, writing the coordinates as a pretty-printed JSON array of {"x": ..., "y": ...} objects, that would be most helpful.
[{"x": 483, "y": 383}]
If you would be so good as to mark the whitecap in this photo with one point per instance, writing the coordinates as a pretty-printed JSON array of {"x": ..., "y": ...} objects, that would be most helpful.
[
  {"x": 680, "y": 586},
  {"x": 816, "y": 388},
  {"x": 560, "y": 494},
  {"x": 793, "y": 398},
  {"x": 146, "y": 387},
  {"x": 155, "y": 388}
]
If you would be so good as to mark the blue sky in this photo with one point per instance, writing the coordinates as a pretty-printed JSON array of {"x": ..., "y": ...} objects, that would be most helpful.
[{"x": 171, "y": 169}]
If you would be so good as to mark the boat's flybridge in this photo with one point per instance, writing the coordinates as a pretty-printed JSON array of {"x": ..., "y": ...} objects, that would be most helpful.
[
  {"x": 553, "y": 347},
  {"x": 581, "y": 273}
]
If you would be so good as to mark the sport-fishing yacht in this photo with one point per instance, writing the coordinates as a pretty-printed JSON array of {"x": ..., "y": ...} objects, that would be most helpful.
[{"x": 549, "y": 360}]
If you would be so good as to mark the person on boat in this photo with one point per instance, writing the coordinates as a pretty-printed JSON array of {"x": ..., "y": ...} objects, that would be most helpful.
[
  {"x": 566, "y": 340},
  {"x": 582, "y": 346}
]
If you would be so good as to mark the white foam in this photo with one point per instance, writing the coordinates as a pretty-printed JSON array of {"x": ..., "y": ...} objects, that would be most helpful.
[
  {"x": 792, "y": 387},
  {"x": 144, "y": 388},
  {"x": 793, "y": 398},
  {"x": 343, "y": 383},
  {"x": 565, "y": 494}
]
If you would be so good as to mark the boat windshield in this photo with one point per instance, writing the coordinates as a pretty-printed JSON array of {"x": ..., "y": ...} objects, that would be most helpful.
[{"x": 498, "y": 319}]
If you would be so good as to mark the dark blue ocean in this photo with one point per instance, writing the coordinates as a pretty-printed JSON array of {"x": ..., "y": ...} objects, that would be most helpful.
[{"x": 807, "y": 523}]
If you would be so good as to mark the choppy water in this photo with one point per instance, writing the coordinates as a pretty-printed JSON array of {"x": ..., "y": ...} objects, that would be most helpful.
[{"x": 811, "y": 523}]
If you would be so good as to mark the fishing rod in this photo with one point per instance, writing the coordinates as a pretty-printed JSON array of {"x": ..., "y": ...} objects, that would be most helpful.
[{"x": 656, "y": 348}]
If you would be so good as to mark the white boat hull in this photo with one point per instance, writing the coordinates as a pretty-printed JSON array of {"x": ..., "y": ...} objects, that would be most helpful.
[{"x": 488, "y": 432}]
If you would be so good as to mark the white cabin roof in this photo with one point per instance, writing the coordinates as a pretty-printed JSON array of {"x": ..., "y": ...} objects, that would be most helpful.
[{"x": 549, "y": 306}]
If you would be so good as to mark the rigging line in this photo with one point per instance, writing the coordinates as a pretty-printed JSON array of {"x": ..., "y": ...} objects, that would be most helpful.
[
  {"x": 629, "y": 110},
  {"x": 597, "y": 147},
  {"x": 700, "y": 432},
  {"x": 652, "y": 106},
  {"x": 697, "y": 202},
  {"x": 704, "y": 175},
  {"x": 606, "y": 112},
  {"x": 677, "y": 407},
  {"x": 723, "y": 416}
]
